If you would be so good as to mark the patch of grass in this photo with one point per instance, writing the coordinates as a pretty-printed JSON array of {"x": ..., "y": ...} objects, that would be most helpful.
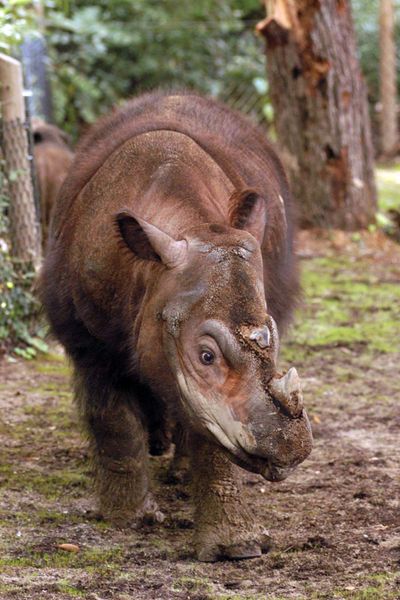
[
  {"x": 59, "y": 559},
  {"x": 66, "y": 588},
  {"x": 37, "y": 433},
  {"x": 35, "y": 517},
  {"x": 248, "y": 597},
  {"x": 49, "y": 485},
  {"x": 192, "y": 584},
  {"x": 344, "y": 310},
  {"x": 55, "y": 357},
  {"x": 53, "y": 387},
  {"x": 43, "y": 516},
  {"x": 382, "y": 587},
  {"x": 102, "y": 525},
  {"x": 60, "y": 414},
  {"x": 54, "y": 418},
  {"x": 7, "y": 588},
  {"x": 388, "y": 183},
  {"x": 55, "y": 367}
]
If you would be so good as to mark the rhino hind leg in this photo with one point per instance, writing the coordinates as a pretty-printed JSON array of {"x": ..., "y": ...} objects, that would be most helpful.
[
  {"x": 119, "y": 449},
  {"x": 179, "y": 468},
  {"x": 224, "y": 525},
  {"x": 158, "y": 422}
]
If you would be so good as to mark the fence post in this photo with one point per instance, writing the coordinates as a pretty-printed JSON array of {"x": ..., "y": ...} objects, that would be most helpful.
[{"x": 24, "y": 227}]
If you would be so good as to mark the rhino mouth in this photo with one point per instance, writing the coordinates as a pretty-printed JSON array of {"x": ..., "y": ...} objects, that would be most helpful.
[
  {"x": 269, "y": 469},
  {"x": 274, "y": 472}
]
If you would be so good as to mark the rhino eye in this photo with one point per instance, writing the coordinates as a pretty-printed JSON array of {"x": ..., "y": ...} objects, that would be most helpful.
[{"x": 207, "y": 357}]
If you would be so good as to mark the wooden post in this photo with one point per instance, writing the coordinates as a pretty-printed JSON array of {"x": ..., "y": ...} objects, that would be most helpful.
[{"x": 24, "y": 227}]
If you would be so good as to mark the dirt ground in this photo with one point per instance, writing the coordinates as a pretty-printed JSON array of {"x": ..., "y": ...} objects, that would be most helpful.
[{"x": 335, "y": 522}]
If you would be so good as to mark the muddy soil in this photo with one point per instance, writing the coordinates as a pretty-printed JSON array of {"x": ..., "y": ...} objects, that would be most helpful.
[{"x": 335, "y": 523}]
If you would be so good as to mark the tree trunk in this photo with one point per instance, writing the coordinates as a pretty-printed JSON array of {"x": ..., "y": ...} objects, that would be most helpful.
[
  {"x": 321, "y": 111},
  {"x": 387, "y": 72}
]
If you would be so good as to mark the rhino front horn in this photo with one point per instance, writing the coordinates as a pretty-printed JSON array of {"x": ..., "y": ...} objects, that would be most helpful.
[{"x": 287, "y": 391}]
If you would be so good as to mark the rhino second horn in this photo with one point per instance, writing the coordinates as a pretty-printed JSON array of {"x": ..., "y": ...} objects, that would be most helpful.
[
  {"x": 262, "y": 337},
  {"x": 287, "y": 391}
]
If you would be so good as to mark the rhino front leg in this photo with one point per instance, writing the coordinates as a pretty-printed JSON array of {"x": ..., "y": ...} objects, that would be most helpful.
[
  {"x": 119, "y": 449},
  {"x": 224, "y": 525}
]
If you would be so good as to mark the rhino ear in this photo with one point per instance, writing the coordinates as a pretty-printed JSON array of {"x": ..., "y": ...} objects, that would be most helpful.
[
  {"x": 134, "y": 236},
  {"x": 148, "y": 242},
  {"x": 247, "y": 211}
]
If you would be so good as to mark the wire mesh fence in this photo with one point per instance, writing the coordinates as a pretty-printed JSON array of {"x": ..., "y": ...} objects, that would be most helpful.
[
  {"x": 24, "y": 225},
  {"x": 243, "y": 97}
]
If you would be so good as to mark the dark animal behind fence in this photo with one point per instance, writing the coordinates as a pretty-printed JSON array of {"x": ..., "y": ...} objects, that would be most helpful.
[{"x": 52, "y": 157}]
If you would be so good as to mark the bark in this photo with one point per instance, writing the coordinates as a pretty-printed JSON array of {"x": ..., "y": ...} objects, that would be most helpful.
[
  {"x": 387, "y": 70},
  {"x": 321, "y": 111}
]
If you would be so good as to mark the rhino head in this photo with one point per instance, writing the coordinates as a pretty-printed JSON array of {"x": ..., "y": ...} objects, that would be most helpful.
[{"x": 207, "y": 311}]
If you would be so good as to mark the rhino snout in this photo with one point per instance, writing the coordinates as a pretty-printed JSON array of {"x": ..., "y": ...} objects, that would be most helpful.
[{"x": 280, "y": 426}]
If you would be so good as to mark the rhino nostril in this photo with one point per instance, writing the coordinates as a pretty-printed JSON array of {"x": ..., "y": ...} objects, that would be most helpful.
[{"x": 287, "y": 391}]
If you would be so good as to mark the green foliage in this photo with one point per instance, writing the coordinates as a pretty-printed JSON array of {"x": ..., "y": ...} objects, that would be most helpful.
[
  {"x": 19, "y": 327},
  {"x": 366, "y": 21},
  {"x": 104, "y": 52},
  {"x": 15, "y": 20}
]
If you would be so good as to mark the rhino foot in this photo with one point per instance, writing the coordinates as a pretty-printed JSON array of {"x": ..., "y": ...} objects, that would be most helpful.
[
  {"x": 124, "y": 499},
  {"x": 149, "y": 514},
  {"x": 239, "y": 547},
  {"x": 134, "y": 517},
  {"x": 159, "y": 442},
  {"x": 233, "y": 552},
  {"x": 179, "y": 472}
]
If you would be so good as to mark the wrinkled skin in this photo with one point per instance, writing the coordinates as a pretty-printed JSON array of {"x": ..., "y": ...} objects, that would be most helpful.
[{"x": 168, "y": 277}]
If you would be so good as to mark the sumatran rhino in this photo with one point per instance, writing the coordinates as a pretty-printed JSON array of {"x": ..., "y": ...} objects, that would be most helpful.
[
  {"x": 52, "y": 157},
  {"x": 169, "y": 275}
]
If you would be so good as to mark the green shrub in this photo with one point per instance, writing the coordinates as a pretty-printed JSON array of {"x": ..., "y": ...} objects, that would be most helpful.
[
  {"x": 104, "y": 52},
  {"x": 20, "y": 328}
]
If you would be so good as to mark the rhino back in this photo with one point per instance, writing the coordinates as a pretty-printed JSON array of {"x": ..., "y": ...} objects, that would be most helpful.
[
  {"x": 173, "y": 159},
  {"x": 166, "y": 179},
  {"x": 237, "y": 146}
]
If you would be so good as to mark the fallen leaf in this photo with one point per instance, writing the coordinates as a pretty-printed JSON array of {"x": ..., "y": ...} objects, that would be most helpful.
[{"x": 68, "y": 547}]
